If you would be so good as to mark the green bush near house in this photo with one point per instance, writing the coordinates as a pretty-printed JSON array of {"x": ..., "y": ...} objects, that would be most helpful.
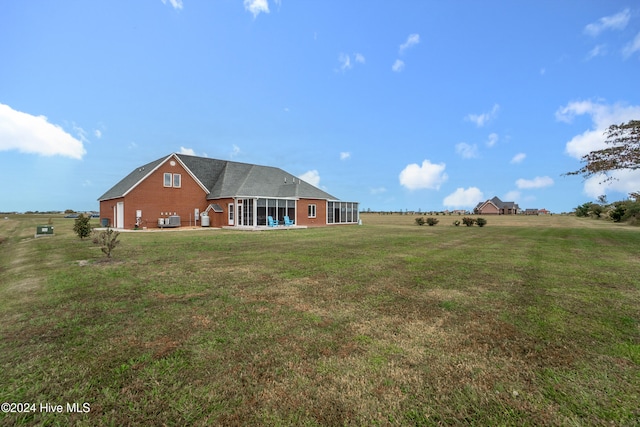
[
  {"x": 432, "y": 221},
  {"x": 468, "y": 221},
  {"x": 481, "y": 222}
]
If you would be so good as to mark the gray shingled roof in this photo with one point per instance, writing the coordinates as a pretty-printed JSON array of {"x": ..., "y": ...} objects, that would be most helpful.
[
  {"x": 499, "y": 203},
  {"x": 225, "y": 178},
  {"x": 130, "y": 180}
]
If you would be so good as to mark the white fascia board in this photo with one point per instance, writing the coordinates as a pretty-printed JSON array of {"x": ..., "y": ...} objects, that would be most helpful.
[
  {"x": 195, "y": 178},
  {"x": 146, "y": 176}
]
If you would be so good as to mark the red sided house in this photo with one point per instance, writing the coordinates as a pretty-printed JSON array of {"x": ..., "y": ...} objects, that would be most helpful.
[
  {"x": 496, "y": 206},
  {"x": 176, "y": 190}
]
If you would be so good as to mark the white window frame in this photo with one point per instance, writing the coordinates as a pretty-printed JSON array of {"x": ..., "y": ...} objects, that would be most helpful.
[
  {"x": 312, "y": 211},
  {"x": 177, "y": 180},
  {"x": 168, "y": 179}
]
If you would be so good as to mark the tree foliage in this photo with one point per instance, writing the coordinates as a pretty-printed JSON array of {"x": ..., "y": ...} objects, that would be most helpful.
[
  {"x": 622, "y": 151},
  {"x": 82, "y": 227}
]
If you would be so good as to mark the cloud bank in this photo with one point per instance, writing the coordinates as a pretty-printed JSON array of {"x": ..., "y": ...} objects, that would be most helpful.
[
  {"x": 537, "y": 182},
  {"x": 176, "y": 4},
  {"x": 462, "y": 198},
  {"x": 35, "y": 135},
  {"x": 614, "y": 22},
  {"x": 482, "y": 119},
  {"x": 425, "y": 176},
  {"x": 312, "y": 177}
]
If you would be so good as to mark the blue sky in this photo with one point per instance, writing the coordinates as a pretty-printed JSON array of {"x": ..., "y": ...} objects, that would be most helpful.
[{"x": 412, "y": 105}]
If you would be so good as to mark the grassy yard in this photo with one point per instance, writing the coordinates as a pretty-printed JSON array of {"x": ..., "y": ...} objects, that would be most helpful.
[{"x": 527, "y": 321}]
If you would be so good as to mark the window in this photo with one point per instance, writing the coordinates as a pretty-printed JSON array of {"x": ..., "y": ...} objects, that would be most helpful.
[
  {"x": 172, "y": 180},
  {"x": 312, "y": 211}
]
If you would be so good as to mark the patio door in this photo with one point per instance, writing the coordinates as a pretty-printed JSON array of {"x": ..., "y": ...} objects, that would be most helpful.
[
  {"x": 240, "y": 219},
  {"x": 231, "y": 214}
]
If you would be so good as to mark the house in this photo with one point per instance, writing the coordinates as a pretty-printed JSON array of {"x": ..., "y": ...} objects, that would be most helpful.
[
  {"x": 531, "y": 211},
  {"x": 177, "y": 189},
  {"x": 496, "y": 206}
]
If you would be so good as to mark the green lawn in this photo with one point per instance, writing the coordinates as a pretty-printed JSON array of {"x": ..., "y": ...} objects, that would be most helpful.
[{"x": 527, "y": 321}]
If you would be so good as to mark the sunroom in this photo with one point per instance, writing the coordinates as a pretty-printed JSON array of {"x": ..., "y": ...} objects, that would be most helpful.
[
  {"x": 342, "y": 212},
  {"x": 254, "y": 211}
]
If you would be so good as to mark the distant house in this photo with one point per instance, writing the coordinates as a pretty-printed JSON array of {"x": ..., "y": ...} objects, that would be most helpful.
[
  {"x": 174, "y": 190},
  {"x": 496, "y": 206},
  {"x": 531, "y": 211}
]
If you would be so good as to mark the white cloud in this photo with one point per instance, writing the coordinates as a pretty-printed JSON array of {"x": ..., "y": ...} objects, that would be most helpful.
[
  {"x": 429, "y": 175},
  {"x": 345, "y": 155},
  {"x": 462, "y": 198},
  {"x": 34, "y": 134},
  {"x": 482, "y": 119},
  {"x": 98, "y": 133},
  {"x": 345, "y": 62},
  {"x": 177, "y": 4},
  {"x": 235, "y": 151},
  {"x": 602, "y": 116},
  {"x": 512, "y": 196},
  {"x": 398, "y": 66},
  {"x": 631, "y": 47},
  {"x": 598, "y": 50},
  {"x": 82, "y": 134},
  {"x": 378, "y": 190},
  {"x": 493, "y": 139},
  {"x": 625, "y": 181},
  {"x": 187, "y": 151},
  {"x": 412, "y": 40},
  {"x": 256, "y": 7},
  {"x": 467, "y": 151},
  {"x": 614, "y": 22},
  {"x": 537, "y": 182},
  {"x": 518, "y": 158},
  {"x": 312, "y": 177}
]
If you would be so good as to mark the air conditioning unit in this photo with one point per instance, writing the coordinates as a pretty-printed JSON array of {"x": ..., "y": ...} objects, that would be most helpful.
[
  {"x": 172, "y": 221},
  {"x": 160, "y": 222}
]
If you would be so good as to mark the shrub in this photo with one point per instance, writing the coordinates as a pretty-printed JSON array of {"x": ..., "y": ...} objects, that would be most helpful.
[
  {"x": 108, "y": 240},
  {"x": 583, "y": 210},
  {"x": 82, "y": 227},
  {"x": 456, "y": 222},
  {"x": 617, "y": 211},
  {"x": 420, "y": 221},
  {"x": 632, "y": 212},
  {"x": 481, "y": 222},
  {"x": 432, "y": 221},
  {"x": 468, "y": 221}
]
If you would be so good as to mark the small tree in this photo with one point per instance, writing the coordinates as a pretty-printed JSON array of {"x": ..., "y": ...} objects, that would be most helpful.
[
  {"x": 420, "y": 220},
  {"x": 468, "y": 221},
  {"x": 108, "y": 240},
  {"x": 82, "y": 227},
  {"x": 481, "y": 222},
  {"x": 432, "y": 221}
]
